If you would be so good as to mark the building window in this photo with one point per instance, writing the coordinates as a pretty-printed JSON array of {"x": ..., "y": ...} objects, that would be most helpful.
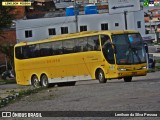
[
  {"x": 28, "y": 33},
  {"x": 104, "y": 26},
  {"x": 83, "y": 28},
  {"x": 116, "y": 24},
  {"x": 52, "y": 31},
  {"x": 64, "y": 30},
  {"x": 138, "y": 24}
]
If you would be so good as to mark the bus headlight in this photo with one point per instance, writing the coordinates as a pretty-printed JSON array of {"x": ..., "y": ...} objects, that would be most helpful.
[
  {"x": 122, "y": 69},
  {"x": 144, "y": 67}
]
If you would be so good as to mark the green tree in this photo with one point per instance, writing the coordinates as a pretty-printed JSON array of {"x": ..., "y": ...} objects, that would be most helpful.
[{"x": 6, "y": 17}]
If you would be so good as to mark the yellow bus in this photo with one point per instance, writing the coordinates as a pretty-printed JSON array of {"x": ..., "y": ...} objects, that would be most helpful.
[{"x": 65, "y": 59}]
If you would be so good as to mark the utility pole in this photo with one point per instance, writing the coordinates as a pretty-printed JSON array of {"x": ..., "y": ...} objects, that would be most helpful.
[
  {"x": 125, "y": 19},
  {"x": 76, "y": 16}
]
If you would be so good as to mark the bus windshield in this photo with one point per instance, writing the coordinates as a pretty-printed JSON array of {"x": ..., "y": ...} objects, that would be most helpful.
[{"x": 129, "y": 49}]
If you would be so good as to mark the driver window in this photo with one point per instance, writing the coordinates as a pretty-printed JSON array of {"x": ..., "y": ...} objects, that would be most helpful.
[{"x": 107, "y": 49}]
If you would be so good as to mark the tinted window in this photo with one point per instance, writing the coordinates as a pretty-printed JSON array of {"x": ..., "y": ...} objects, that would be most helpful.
[
  {"x": 45, "y": 49},
  {"x": 29, "y": 51},
  {"x": 81, "y": 44},
  {"x": 18, "y": 51},
  {"x": 57, "y": 48},
  {"x": 33, "y": 51},
  {"x": 68, "y": 46},
  {"x": 93, "y": 43}
]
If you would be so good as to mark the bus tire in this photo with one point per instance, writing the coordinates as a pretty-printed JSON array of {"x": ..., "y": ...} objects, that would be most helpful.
[
  {"x": 101, "y": 76},
  {"x": 127, "y": 79},
  {"x": 35, "y": 82},
  {"x": 44, "y": 81}
]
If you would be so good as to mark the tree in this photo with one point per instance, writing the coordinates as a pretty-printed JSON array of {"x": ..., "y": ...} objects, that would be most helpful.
[{"x": 6, "y": 17}]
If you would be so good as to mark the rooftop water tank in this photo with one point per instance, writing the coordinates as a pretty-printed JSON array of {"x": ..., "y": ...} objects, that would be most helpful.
[
  {"x": 70, "y": 11},
  {"x": 90, "y": 9}
]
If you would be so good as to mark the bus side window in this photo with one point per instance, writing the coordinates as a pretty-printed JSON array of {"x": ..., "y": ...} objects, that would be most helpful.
[
  {"x": 57, "y": 48},
  {"x": 18, "y": 51},
  {"x": 68, "y": 46},
  {"x": 25, "y": 52},
  {"x": 93, "y": 43},
  {"x": 32, "y": 51},
  {"x": 81, "y": 44},
  {"x": 45, "y": 49}
]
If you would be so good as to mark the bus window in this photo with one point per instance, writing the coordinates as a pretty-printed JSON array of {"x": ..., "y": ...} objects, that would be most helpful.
[
  {"x": 57, "y": 48},
  {"x": 33, "y": 51},
  {"x": 81, "y": 44},
  {"x": 45, "y": 49},
  {"x": 19, "y": 53},
  {"x": 22, "y": 52},
  {"x": 68, "y": 46},
  {"x": 107, "y": 49},
  {"x": 93, "y": 43}
]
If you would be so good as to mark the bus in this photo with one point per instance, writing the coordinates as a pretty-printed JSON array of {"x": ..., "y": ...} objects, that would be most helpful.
[{"x": 65, "y": 59}]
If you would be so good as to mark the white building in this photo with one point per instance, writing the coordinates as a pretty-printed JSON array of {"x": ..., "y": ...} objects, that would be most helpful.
[{"x": 37, "y": 29}]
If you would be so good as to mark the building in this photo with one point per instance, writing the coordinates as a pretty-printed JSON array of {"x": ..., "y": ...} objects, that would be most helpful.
[
  {"x": 89, "y": 19},
  {"x": 37, "y": 29}
]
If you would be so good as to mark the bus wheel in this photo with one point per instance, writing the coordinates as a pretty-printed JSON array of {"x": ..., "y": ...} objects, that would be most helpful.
[
  {"x": 35, "y": 82},
  {"x": 127, "y": 79},
  {"x": 101, "y": 76},
  {"x": 44, "y": 81}
]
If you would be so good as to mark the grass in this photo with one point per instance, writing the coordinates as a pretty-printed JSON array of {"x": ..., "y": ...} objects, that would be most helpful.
[
  {"x": 18, "y": 95},
  {"x": 158, "y": 61},
  {"x": 11, "y": 81}
]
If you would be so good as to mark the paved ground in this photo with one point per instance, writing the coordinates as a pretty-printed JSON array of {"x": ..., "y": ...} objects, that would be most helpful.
[
  {"x": 140, "y": 95},
  {"x": 9, "y": 89}
]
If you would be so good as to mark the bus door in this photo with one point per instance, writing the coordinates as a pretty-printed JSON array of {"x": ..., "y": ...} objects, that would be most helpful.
[{"x": 108, "y": 53}]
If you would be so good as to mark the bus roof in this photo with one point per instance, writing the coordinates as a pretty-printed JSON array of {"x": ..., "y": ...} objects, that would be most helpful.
[{"x": 77, "y": 35}]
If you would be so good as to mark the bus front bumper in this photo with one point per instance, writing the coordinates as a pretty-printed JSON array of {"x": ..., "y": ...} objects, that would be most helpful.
[{"x": 121, "y": 74}]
